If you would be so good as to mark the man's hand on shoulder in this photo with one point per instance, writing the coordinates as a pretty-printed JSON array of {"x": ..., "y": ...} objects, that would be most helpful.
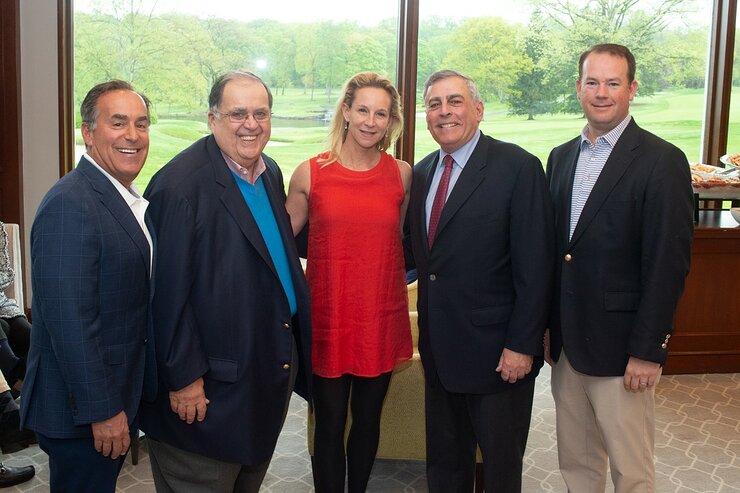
[
  {"x": 190, "y": 402},
  {"x": 640, "y": 374},
  {"x": 514, "y": 366},
  {"x": 112, "y": 436}
]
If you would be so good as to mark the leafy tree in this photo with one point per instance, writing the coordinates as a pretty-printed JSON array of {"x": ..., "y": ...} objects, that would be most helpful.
[
  {"x": 682, "y": 58},
  {"x": 579, "y": 25},
  {"x": 307, "y": 56},
  {"x": 530, "y": 93},
  {"x": 486, "y": 49},
  {"x": 332, "y": 44},
  {"x": 364, "y": 53},
  {"x": 387, "y": 35},
  {"x": 281, "y": 53},
  {"x": 434, "y": 44}
]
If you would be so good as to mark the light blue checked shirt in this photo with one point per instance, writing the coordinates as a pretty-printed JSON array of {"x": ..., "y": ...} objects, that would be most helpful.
[{"x": 591, "y": 161}]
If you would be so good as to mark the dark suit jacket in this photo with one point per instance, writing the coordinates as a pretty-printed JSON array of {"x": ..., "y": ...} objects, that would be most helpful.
[
  {"x": 221, "y": 312},
  {"x": 629, "y": 254},
  {"x": 486, "y": 283},
  {"x": 90, "y": 277}
]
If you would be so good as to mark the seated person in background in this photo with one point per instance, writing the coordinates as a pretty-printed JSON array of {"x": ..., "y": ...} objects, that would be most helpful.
[
  {"x": 16, "y": 330},
  {"x": 12, "y": 439}
]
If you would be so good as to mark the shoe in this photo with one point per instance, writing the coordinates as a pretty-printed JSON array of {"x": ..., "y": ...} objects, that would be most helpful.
[
  {"x": 12, "y": 438},
  {"x": 15, "y": 440},
  {"x": 10, "y": 476}
]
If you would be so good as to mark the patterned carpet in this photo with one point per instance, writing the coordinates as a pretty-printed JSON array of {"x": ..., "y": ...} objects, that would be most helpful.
[{"x": 697, "y": 450}]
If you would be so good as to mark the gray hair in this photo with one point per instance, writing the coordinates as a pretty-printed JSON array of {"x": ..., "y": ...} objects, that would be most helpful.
[
  {"x": 445, "y": 74},
  {"x": 217, "y": 91},
  {"x": 89, "y": 107}
]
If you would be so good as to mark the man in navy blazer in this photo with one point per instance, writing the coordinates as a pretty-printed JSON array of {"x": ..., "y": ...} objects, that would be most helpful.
[
  {"x": 232, "y": 322},
  {"x": 624, "y": 224},
  {"x": 485, "y": 277},
  {"x": 91, "y": 355}
]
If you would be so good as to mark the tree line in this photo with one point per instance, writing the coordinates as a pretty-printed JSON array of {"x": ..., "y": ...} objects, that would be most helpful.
[{"x": 530, "y": 68}]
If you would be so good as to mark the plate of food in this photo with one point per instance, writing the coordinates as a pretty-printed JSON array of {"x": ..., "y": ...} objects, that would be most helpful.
[
  {"x": 731, "y": 160},
  {"x": 713, "y": 182}
]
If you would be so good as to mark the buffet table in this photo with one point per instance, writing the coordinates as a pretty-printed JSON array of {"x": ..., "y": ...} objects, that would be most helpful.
[{"x": 706, "y": 337}]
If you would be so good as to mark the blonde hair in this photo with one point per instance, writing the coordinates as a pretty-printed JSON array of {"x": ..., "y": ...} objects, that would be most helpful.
[{"x": 338, "y": 129}]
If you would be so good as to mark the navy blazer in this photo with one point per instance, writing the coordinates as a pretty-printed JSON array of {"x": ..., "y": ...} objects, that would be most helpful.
[
  {"x": 487, "y": 281},
  {"x": 91, "y": 311},
  {"x": 220, "y": 311},
  {"x": 617, "y": 290}
]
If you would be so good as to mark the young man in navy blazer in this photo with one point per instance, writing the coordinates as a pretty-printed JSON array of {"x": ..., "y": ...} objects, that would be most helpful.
[
  {"x": 91, "y": 358},
  {"x": 624, "y": 225}
]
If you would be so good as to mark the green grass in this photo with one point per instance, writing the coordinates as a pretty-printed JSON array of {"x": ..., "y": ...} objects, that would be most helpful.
[{"x": 675, "y": 116}]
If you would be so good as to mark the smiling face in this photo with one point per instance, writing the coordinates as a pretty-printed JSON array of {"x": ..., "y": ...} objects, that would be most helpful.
[
  {"x": 243, "y": 141},
  {"x": 119, "y": 143},
  {"x": 368, "y": 117},
  {"x": 452, "y": 115},
  {"x": 605, "y": 92}
]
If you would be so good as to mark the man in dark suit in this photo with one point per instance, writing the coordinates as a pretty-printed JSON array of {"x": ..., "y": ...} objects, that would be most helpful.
[
  {"x": 624, "y": 224},
  {"x": 232, "y": 326},
  {"x": 91, "y": 358},
  {"x": 480, "y": 228}
]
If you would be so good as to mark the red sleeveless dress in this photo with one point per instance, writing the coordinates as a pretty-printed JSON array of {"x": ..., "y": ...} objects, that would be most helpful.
[{"x": 355, "y": 270}]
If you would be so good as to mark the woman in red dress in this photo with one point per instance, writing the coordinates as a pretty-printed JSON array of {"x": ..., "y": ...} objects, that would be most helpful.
[{"x": 354, "y": 196}]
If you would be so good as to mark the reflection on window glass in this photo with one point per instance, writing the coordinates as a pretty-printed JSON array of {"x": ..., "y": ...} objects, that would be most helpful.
[
  {"x": 524, "y": 62},
  {"x": 733, "y": 133},
  {"x": 173, "y": 50}
]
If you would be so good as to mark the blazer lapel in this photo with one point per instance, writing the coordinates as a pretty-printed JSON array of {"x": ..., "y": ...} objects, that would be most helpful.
[
  {"x": 565, "y": 177},
  {"x": 470, "y": 178},
  {"x": 234, "y": 202},
  {"x": 430, "y": 163},
  {"x": 619, "y": 161},
  {"x": 277, "y": 201},
  {"x": 119, "y": 209}
]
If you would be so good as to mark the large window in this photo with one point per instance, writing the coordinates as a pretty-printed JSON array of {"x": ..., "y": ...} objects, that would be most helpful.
[
  {"x": 523, "y": 56},
  {"x": 174, "y": 50},
  {"x": 524, "y": 62}
]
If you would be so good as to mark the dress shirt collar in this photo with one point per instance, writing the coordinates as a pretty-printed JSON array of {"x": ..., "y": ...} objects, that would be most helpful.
[
  {"x": 244, "y": 173},
  {"x": 135, "y": 202},
  {"x": 461, "y": 155},
  {"x": 611, "y": 137},
  {"x": 131, "y": 195}
]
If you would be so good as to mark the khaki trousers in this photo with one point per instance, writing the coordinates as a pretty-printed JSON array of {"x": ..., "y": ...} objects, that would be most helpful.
[{"x": 601, "y": 424}]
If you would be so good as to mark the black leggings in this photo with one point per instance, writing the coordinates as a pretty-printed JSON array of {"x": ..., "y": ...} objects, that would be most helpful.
[
  {"x": 18, "y": 332},
  {"x": 331, "y": 396},
  {"x": 15, "y": 338}
]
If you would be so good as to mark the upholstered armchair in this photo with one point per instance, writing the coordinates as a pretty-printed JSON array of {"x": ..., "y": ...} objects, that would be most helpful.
[{"x": 15, "y": 289}]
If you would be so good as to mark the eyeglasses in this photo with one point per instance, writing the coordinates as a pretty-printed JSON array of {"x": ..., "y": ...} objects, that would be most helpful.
[{"x": 240, "y": 116}]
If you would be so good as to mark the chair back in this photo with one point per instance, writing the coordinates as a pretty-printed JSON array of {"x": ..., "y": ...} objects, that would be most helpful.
[{"x": 15, "y": 290}]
